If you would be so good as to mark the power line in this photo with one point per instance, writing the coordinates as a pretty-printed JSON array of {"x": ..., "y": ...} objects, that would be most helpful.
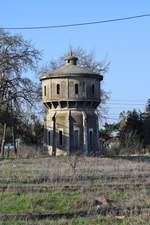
[
  {"x": 124, "y": 104},
  {"x": 77, "y": 24},
  {"x": 122, "y": 108},
  {"x": 129, "y": 100},
  {"x": 110, "y": 118}
]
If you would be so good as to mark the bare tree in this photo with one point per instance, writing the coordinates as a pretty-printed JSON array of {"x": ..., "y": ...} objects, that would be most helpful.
[
  {"x": 86, "y": 60},
  {"x": 17, "y": 57}
]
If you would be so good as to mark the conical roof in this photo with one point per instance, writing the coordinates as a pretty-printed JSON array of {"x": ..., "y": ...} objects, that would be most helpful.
[{"x": 70, "y": 68}]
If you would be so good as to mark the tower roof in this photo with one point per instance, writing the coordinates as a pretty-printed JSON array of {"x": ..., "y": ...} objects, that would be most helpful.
[
  {"x": 69, "y": 68},
  {"x": 71, "y": 59}
]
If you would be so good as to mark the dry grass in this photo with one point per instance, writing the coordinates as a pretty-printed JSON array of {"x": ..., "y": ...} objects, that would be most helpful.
[{"x": 93, "y": 180}]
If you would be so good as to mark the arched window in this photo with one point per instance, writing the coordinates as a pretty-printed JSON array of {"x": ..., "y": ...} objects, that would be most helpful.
[
  {"x": 58, "y": 89},
  {"x": 91, "y": 138},
  {"x": 49, "y": 136},
  {"x": 93, "y": 89},
  {"x": 83, "y": 86},
  {"x": 60, "y": 137},
  {"x": 76, "y": 89},
  {"x": 76, "y": 138},
  {"x": 45, "y": 90}
]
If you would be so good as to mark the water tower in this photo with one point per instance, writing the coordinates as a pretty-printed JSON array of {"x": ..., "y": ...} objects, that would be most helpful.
[{"x": 71, "y": 95}]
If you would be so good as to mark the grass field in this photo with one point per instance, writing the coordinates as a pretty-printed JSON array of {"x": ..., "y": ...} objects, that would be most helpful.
[{"x": 75, "y": 190}]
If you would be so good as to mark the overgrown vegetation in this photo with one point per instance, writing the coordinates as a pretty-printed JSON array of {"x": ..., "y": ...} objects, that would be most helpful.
[
  {"x": 132, "y": 133},
  {"x": 101, "y": 191}
]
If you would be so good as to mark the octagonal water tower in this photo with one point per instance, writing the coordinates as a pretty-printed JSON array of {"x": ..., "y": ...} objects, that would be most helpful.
[{"x": 71, "y": 95}]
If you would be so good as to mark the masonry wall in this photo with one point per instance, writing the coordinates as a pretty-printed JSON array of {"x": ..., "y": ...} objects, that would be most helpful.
[
  {"x": 76, "y": 125},
  {"x": 67, "y": 89},
  {"x": 71, "y": 122}
]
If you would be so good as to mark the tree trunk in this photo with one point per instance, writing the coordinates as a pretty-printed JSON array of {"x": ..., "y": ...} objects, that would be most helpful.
[
  {"x": 14, "y": 140},
  {"x": 3, "y": 140}
]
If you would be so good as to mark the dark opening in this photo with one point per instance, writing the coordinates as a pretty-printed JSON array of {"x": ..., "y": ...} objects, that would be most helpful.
[
  {"x": 83, "y": 86},
  {"x": 49, "y": 137},
  {"x": 72, "y": 104},
  {"x": 76, "y": 139},
  {"x": 76, "y": 89},
  {"x": 60, "y": 137},
  {"x": 93, "y": 89},
  {"x": 91, "y": 138},
  {"x": 63, "y": 104},
  {"x": 44, "y": 90},
  {"x": 58, "y": 89}
]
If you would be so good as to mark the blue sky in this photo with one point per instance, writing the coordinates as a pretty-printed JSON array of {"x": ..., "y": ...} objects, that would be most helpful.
[{"x": 125, "y": 44}]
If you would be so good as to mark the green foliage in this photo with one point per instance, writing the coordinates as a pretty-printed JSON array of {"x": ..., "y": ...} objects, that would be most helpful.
[
  {"x": 96, "y": 220},
  {"x": 115, "y": 179},
  {"x": 37, "y": 202},
  {"x": 133, "y": 131},
  {"x": 109, "y": 129},
  {"x": 147, "y": 110}
]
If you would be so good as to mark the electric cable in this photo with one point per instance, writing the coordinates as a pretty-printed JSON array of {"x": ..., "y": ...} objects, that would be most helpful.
[{"x": 77, "y": 24}]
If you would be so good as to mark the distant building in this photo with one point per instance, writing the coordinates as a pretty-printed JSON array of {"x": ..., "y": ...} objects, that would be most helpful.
[{"x": 71, "y": 95}]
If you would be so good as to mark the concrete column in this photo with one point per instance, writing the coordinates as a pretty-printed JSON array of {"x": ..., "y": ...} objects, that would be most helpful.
[{"x": 85, "y": 144}]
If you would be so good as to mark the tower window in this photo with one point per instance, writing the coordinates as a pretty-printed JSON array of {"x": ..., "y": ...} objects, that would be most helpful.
[
  {"x": 45, "y": 90},
  {"x": 83, "y": 86},
  {"x": 76, "y": 138},
  {"x": 60, "y": 137},
  {"x": 76, "y": 89},
  {"x": 49, "y": 137},
  {"x": 91, "y": 138},
  {"x": 58, "y": 89},
  {"x": 93, "y": 89}
]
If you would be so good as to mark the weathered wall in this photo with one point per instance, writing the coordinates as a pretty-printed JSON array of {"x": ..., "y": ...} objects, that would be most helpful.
[
  {"x": 67, "y": 89},
  {"x": 75, "y": 121}
]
